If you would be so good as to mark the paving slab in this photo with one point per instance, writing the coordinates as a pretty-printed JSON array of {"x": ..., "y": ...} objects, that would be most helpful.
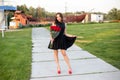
[
  {"x": 36, "y": 32},
  {"x": 41, "y": 44},
  {"x": 71, "y": 54},
  {"x": 39, "y": 41},
  {"x": 44, "y": 48},
  {"x": 79, "y": 67},
  {"x": 85, "y": 65},
  {"x": 97, "y": 76},
  {"x": 40, "y": 49}
]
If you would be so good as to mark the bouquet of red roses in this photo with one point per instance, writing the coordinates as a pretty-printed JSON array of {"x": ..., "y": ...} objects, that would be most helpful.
[{"x": 54, "y": 31}]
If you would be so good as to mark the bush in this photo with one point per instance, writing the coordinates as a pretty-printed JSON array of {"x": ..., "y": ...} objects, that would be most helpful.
[{"x": 114, "y": 21}]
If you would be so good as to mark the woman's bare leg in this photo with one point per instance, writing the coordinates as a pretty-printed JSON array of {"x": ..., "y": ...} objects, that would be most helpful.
[
  {"x": 66, "y": 59},
  {"x": 57, "y": 60}
]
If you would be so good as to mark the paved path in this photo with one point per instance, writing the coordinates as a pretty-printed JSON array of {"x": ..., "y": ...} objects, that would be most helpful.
[{"x": 85, "y": 65}]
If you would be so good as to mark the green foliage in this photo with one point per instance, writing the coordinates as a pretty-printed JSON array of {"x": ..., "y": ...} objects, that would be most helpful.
[
  {"x": 41, "y": 13},
  {"x": 23, "y": 8},
  {"x": 35, "y": 25},
  {"x": 15, "y": 55},
  {"x": 114, "y": 14},
  {"x": 34, "y": 12}
]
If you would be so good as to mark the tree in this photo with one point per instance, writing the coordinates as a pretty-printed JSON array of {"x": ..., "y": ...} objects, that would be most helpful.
[
  {"x": 114, "y": 14},
  {"x": 118, "y": 15},
  {"x": 23, "y": 8},
  {"x": 40, "y": 12},
  {"x": 32, "y": 11}
]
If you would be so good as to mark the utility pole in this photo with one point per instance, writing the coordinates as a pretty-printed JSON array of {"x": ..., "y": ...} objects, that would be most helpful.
[
  {"x": 65, "y": 7},
  {"x": 66, "y": 11}
]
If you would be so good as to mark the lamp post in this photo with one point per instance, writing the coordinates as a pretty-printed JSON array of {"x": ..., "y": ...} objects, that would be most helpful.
[{"x": 6, "y": 19}]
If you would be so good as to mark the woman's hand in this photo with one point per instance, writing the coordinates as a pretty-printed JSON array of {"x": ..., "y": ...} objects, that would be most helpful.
[
  {"x": 73, "y": 35},
  {"x": 51, "y": 39},
  {"x": 69, "y": 35}
]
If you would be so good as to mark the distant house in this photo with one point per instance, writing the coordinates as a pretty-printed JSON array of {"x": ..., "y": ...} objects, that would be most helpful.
[
  {"x": 75, "y": 18},
  {"x": 91, "y": 17},
  {"x": 19, "y": 19}
]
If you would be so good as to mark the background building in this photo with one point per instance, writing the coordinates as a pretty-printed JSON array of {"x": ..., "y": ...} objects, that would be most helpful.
[
  {"x": 19, "y": 20},
  {"x": 91, "y": 17}
]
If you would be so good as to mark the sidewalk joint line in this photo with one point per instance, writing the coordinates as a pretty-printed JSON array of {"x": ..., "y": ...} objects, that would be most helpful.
[
  {"x": 74, "y": 74},
  {"x": 63, "y": 59}
]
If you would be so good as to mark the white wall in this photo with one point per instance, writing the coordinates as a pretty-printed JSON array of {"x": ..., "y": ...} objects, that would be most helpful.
[
  {"x": 2, "y": 20},
  {"x": 96, "y": 18}
]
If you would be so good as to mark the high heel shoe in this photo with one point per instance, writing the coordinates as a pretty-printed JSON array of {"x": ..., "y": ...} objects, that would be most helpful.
[
  {"x": 59, "y": 72},
  {"x": 70, "y": 71}
]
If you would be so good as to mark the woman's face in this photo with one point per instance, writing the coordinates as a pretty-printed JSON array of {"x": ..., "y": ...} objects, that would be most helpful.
[{"x": 58, "y": 18}]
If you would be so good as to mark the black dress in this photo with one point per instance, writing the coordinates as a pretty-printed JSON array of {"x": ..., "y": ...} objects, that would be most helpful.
[{"x": 62, "y": 41}]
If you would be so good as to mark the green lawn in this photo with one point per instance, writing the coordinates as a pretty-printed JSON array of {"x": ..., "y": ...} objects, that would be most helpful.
[
  {"x": 15, "y": 55},
  {"x": 102, "y": 40}
]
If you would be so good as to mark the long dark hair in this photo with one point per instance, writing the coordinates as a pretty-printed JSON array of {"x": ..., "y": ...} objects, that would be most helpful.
[{"x": 56, "y": 21}]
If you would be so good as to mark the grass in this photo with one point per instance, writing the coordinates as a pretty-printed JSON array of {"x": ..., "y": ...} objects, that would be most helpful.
[
  {"x": 102, "y": 40},
  {"x": 15, "y": 55}
]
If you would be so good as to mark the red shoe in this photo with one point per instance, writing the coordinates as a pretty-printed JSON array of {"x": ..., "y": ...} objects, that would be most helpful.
[
  {"x": 59, "y": 72},
  {"x": 70, "y": 71}
]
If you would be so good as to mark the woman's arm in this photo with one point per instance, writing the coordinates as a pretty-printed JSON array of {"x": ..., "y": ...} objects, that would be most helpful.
[
  {"x": 51, "y": 39},
  {"x": 69, "y": 35}
]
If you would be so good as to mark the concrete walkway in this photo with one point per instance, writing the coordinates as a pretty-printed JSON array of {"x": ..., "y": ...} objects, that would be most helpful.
[{"x": 85, "y": 66}]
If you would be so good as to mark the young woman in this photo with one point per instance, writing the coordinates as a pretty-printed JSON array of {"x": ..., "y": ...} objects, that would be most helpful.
[{"x": 62, "y": 42}]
